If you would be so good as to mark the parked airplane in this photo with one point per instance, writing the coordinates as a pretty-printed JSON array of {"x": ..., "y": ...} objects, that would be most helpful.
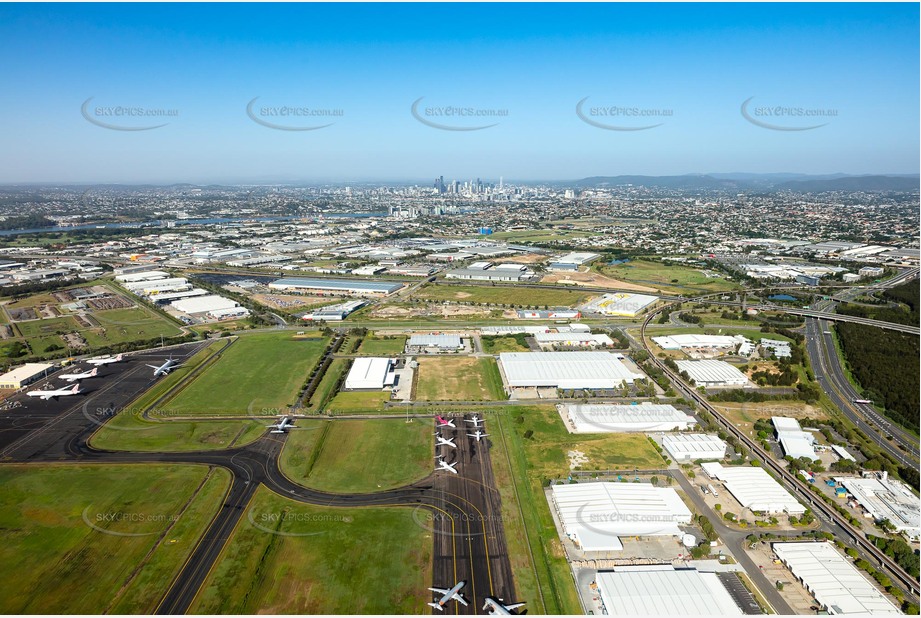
[
  {"x": 282, "y": 425},
  {"x": 55, "y": 393},
  {"x": 444, "y": 422},
  {"x": 448, "y": 594},
  {"x": 443, "y": 465},
  {"x": 445, "y": 441},
  {"x": 165, "y": 368},
  {"x": 105, "y": 360},
  {"x": 476, "y": 420},
  {"x": 478, "y": 434},
  {"x": 73, "y": 377},
  {"x": 497, "y": 608}
]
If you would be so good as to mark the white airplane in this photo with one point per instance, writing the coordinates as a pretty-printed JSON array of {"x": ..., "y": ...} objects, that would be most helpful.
[
  {"x": 445, "y": 442},
  {"x": 497, "y": 608},
  {"x": 73, "y": 377},
  {"x": 448, "y": 594},
  {"x": 55, "y": 393},
  {"x": 476, "y": 420},
  {"x": 445, "y": 422},
  {"x": 105, "y": 360},
  {"x": 443, "y": 465},
  {"x": 165, "y": 368},
  {"x": 282, "y": 425},
  {"x": 478, "y": 434}
]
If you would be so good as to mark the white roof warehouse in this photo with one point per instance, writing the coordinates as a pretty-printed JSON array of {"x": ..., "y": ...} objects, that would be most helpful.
[
  {"x": 663, "y": 590},
  {"x": 607, "y": 418},
  {"x": 567, "y": 370}
]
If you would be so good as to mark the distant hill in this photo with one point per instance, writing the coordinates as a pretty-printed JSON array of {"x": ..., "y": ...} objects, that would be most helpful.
[
  {"x": 802, "y": 183},
  {"x": 852, "y": 183}
]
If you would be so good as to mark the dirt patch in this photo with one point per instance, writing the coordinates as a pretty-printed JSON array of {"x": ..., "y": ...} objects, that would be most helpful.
[
  {"x": 287, "y": 301},
  {"x": 592, "y": 279},
  {"x": 576, "y": 459},
  {"x": 18, "y": 315},
  {"x": 462, "y": 295}
]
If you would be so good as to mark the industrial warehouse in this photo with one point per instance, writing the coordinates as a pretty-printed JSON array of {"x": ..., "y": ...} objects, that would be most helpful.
[
  {"x": 565, "y": 370},
  {"x": 754, "y": 489},
  {"x": 834, "y": 582},
  {"x": 620, "y": 304},
  {"x": 322, "y": 287},
  {"x": 434, "y": 344},
  {"x": 572, "y": 339},
  {"x": 885, "y": 498},
  {"x": 795, "y": 442},
  {"x": 710, "y": 373},
  {"x": 370, "y": 374},
  {"x": 686, "y": 447},
  {"x": 663, "y": 590},
  {"x": 594, "y": 515},
  {"x": 614, "y": 418}
]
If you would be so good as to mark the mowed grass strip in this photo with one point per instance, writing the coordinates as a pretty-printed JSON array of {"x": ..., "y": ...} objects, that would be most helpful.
[
  {"x": 382, "y": 346},
  {"x": 510, "y": 294},
  {"x": 670, "y": 278},
  {"x": 458, "y": 378},
  {"x": 120, "y": 325},
  {"x": 358, "y": 456},
  {"x": 290, "y": 558},
  {"x": 57, "y": 557},
  {"x": 258, "y": 374}
]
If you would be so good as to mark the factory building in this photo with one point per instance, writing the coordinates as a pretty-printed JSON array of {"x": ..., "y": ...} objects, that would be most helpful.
[
  {"x": 793, "y": 440},
  {"x": 620, "y": 304},
  {"x": 334, "y": 313},
  {"x": 754, "y": 488},
  {"x": 24, "y": 375},
  {"x": 594, "y": 515},
  {"x": 203, "y": 304},
  {"x": 701, "y": 342},
  {"x": 710, "y": 373},
  {"x": 422, "y": 344},
  {"x": 552, "y": 314},
  {"x": 885, "y": 498},
  {"x": 686, "y": 447},
  {"x": 663, "y": 590},
  {"x": 322, "y": 287},
  {"x": 572, "y": 261},
  {"x": 370, "y": 374},
  {"x": 572, "y": 339},
  {"x": 610, "y": 418},
  {"x": 566, "y": 370},
  {"x": 837, "y": 585}
]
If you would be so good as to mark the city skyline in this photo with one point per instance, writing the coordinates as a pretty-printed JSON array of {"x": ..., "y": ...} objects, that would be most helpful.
[{"x": 403, "y": 93}]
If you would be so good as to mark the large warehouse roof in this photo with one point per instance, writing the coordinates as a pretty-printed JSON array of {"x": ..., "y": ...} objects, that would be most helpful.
[
  {"x": 382, "y": 287},
  {"x": 595, "y": 514},
  {"x": 713, "y": 372},
  {"x": 833, "y": 580},
  {"x": 368, "y": 373},
  {"x": 691, "y": 446},
  {"x": 675, "y": 342},
  {"x": 15, "y": 378},
  {"x": 886, "y": 499},
  {"x": 565, "y": 369},
  {"x": 662, "y": 590},
  {"x": 755, "y": 489},
  {"x": 573, "y": 338},
  {"x": 436, "y": 341},
  {"x": 203, "y": 304},
  {"x": 600, "y": 418}
]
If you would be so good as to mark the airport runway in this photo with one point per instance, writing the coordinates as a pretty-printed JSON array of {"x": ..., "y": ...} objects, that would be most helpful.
[{"x": 463, "y": 510}]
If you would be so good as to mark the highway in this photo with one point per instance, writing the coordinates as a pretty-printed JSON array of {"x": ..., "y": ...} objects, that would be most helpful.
[
  {"x": 468, "y": 532},
  {"x": 819, "y": 507}
]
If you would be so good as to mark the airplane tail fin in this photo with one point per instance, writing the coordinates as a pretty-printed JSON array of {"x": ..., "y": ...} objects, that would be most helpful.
[
  {"x": 119, "y": 357},
  {"x": 94, "y": 371},
  {"x": 75, "y": 389}
]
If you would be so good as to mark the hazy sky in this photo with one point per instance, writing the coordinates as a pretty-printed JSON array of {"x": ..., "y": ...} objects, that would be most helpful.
[{"x": 696, "y": 64}]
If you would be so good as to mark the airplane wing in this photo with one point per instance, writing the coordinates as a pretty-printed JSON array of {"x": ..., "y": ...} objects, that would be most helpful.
[
  {"x": 154, "y": 366},
  {"x": 457, "y": 597},
  {"x": 440, "y": 590},
  {"x": 515, "y": 605}
]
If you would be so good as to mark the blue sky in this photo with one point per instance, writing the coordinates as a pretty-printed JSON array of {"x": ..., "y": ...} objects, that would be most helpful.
[{"x": 695, "y": 63}]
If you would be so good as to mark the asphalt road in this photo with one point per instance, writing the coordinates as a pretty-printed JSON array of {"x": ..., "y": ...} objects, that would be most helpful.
[{"x": 463, "y": 510}]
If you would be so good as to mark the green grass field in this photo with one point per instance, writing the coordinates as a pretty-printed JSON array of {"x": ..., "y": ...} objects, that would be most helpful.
[
  {"x": 67, "y": 547},
  {"x": 358, "y": 456},
  {"x": 289, "y": 558},
  {"x": 540, "y": 236},
  {"x": 381, "y": 346},
  {"x": 50, "y": 326},
  {"x": 667, "y": 278},
  {"x": 258, "y": 374},
  {"x": 495, "y": 345},
  {"x": 326, "y": 388},
  {"x": 356, "y": 402},
  {"x": 512, "y": 295},
  {"x": 458, "y": 378},
  {"x": 129, "y": 431},
  {"x": 120, "y": 325}
]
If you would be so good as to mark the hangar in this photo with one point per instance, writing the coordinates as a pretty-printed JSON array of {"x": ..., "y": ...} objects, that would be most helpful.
[
  {"x": 369, "y": 373},
  {"x": 594, "y": 515},
  {"x": 567, "y": 370},
  {"x": 608, "y": 418},
  {"x": 663, "y": 590},
  {"x": 23, "y": 375},
  {"x": 831, "y": 578}
]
